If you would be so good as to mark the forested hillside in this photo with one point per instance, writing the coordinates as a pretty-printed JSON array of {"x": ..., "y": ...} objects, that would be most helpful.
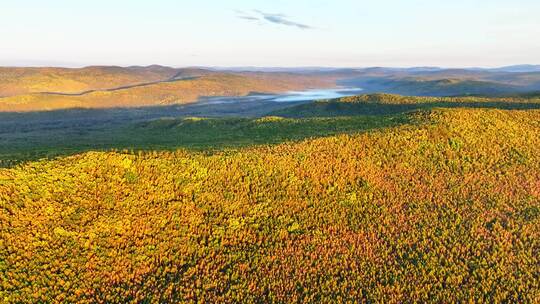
[{"x": 444, "y": 208}]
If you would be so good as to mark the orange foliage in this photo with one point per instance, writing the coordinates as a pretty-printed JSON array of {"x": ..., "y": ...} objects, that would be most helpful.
[{"x": 444, "y": 211}]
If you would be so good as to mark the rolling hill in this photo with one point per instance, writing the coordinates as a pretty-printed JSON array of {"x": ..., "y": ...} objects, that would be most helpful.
[
  {"x": 339, "y": 218},
  {"x": 17, "y": 81},
  {"x": 439, "y": 87},
  {"x": 186, "y": 86},
  {"x": 38, "y": 89},
  {"x": 443, "y": 82},
  {"x": 390, "y": 104},
  {"x": 35, "y": 135}
]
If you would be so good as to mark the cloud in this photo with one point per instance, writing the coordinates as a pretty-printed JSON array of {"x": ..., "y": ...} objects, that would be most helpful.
[
  {"x": 272, "y": 18},
  {"x": 249, "y": 18},
  {"x": 282, "y": 19}
]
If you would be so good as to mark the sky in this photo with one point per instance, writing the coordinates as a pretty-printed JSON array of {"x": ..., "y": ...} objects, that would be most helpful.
[{"x": 277, "y": 33}]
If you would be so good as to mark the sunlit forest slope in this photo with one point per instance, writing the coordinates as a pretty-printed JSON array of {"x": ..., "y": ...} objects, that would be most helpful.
[{"x": 443, "y": 208}]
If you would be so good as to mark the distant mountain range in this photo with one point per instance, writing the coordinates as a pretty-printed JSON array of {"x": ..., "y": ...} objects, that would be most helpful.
[
  {"x": 513, "y": 69},
  {"x": 524, "y": 68},
  {"x": 31, "y": 89}
]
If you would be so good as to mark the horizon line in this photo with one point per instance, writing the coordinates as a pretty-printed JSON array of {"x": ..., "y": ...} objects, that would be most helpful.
[{"x": 225, "y": 67}]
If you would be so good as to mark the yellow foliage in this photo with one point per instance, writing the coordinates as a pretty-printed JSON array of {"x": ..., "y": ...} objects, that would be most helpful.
[{"x": 445, "y": 211}]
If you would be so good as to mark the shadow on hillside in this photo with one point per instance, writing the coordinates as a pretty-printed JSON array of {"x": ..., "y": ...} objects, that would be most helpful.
[
  {"x": 28, "y": 142},
  {"x": 330, "y": 109},
  {"x": 32, "y": 136},
  {"x": 28, "y": 136}
]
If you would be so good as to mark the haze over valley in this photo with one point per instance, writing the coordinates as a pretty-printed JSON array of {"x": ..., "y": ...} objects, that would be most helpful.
[{"x": 38, "y": 89}]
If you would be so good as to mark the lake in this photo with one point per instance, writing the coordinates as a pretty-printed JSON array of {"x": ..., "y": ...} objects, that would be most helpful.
[
  {"x": 293, "y": 96},
  {"x": 75, "y": 121}
]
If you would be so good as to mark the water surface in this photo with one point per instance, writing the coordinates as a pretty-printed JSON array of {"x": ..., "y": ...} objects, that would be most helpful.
[{"x": 294, "y": 96}]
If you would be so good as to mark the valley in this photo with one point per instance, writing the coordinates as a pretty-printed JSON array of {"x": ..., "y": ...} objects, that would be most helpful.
[
  {"x": 100, "y": 87},
  {"x": 306, "y": 183}
]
